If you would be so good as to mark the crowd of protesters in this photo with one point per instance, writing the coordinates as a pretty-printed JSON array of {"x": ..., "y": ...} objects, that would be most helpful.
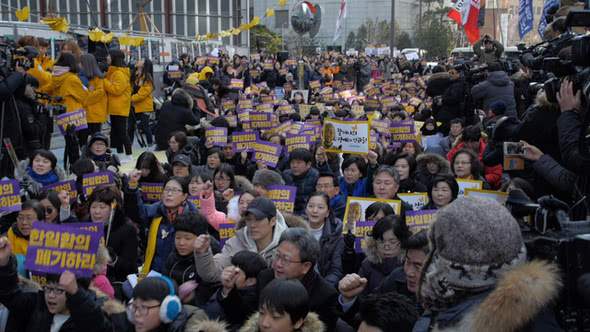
[{"x": 299, "y": 270}]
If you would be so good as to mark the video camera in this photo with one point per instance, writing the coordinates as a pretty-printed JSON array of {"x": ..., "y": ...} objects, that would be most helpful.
[
  {"x": 51, "y": 106},
  {"x": 12, "y": 57},
  {"x": 550, "y": 235},
  {"x": 564, "y": 56}
]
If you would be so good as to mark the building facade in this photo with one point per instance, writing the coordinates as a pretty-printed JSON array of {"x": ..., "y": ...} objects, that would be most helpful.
[
  {"x": 359, "y": 11},
  {"x": 178, "y": 18}
]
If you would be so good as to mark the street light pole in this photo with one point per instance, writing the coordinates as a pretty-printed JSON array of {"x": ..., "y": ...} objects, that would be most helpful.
[{"x": 392, "y": 29}]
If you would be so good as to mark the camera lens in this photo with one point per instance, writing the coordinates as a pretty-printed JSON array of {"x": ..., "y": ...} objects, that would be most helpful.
[{"x": 580, "y": 51}]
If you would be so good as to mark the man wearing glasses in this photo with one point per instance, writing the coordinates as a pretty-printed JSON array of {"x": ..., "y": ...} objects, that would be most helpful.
[
  {"x": 296, "y": 258},
  {"x": 60, "y": 306}
]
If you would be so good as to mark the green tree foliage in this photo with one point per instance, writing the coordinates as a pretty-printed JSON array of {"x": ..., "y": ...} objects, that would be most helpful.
[
  {"x": 262, "y": 39},
  {"x": 435, "y": 35}
]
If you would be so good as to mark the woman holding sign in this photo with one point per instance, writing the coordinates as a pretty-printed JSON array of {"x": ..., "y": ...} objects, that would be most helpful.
[
  {"x": 39, "y": 171},
  {"x": 118, "y": 87},
  {"x": 328, "y": 231},
  {"x": 67, "y": 84},
  {"x": 120, "y": 233}
]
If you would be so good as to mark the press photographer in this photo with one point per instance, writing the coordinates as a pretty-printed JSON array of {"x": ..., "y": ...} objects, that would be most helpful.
[
  {"x": 491, "y": 52},
  {"x": 496, "y": 87},
  {"x": 448, "y": 90}
]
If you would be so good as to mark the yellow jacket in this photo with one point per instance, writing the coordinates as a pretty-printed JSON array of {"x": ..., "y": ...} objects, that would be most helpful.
[
  {"x": 142, "y": 100},
  {"x": 96, "y": 103},
  {"x": 42, "y": 75},
  {"x": 70, "y": 88},
  {"x": 19, "y": 244},
  {"x": 118, "y": 88},
  {"x": 45, "y": 61}
]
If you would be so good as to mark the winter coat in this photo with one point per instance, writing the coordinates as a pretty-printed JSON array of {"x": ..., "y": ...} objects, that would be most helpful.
[
  {"x": 68, "y": 86},
  {"x": 452, "y": 93},
  {"x": 409, "y": 185},
  {"x": 433, "y": 144},
  {"x": 497, "y": 87},
  {"x": 165, "y": 233},
  {"x": 422, "y": 175},
  {"x": 122, "y": 245},
  {"x": 571, "y": 131},
  {"x": 209, "y": 266},
  {"x": 174, "y": 115},
  {"x": 519, "y": 302},
  {"x": 363, "y": 76},
  {"x": 208, "y": 210},
  {"x": 488, "y": 56},
  {"x": 375, "y": 268},
  {"x": 13, "y": 85},
  {"x": 142, "y": 100},
  {"x": 311, "y": 323},
  {"x": 492, "y": 174},
  {"x": 305, "y": 186},
  {"x": 182, "y": 269},
  {"x": 323, "y": 297},
  {"x": 358, "y": 189},
  {"x": 331, "y": 249},
  {"x": 31, "y": 314},
  {"x": 21, "y": 174},
  {"x": 97, "y": 102},
  {"x": 118, "y": 87},
  {"x": 338, "y": 206}
]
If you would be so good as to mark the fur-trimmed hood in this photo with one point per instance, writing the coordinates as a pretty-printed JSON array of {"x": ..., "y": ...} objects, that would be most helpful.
[
  {"x": 295, "y": 221},
  {"x": 371, "y": 250},
  {"x": 243, "y": 184},
  {"x": 197, "y": 323},
  {"x": 519, "y": 296},
  {"x": 312, "y": 323},
  {"x": 423, "y": 159}
]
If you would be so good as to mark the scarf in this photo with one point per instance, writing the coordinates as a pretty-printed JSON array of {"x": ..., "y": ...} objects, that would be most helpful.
[
  {"x": 173, "y": 214},
  {"x": 445, "y": 283},
  {"x": 45, "y": 179}
]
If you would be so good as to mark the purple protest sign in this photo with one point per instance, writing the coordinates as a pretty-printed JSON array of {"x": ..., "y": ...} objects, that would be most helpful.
[
  {"x": 56, "y": 248},
  {"x": 403, "y": 131},
  {"x": 283, "y": 197},
  {"x": 267, "y": 153},
  {"x": 76, "y": 118},
  {"x": 217, "y": 135},
  {"x": 418, "y": 220},
  {"x": 92, "y": 180},
  {"x": 69, "y": 186},
  {"x": 262, "y": 120},
  {"x": 244, "y": 140},
  {"x": 361, "y": 231},
  {"x": 9, "y": 196},
  {"x": 298, "y": 142},
  {"x": 226, "y": 232},
  {"x": 151, "y": 192},
  {"x": 195, "y": 200}
]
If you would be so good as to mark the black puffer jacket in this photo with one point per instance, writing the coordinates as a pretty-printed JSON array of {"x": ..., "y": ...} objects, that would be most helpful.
[
  {"x": 173, "y": 116},
  {"x": 332, "y": 248},
  {"x": 29, "y": 311},
  {"x": 422, "y": 174},
  {"x": 122, "y": 245}
]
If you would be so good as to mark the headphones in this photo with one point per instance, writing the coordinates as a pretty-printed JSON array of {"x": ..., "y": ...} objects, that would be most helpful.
[{"x": 170, "y": 307}]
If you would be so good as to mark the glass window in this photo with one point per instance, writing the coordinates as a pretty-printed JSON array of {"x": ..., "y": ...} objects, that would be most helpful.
[
  {"x": 74, "y": 11},
  {"x": 202, "y": 8},
  {"x": 225, "y": 7},
  {"x": 214, "y": 24},
  {"x": 144, "y": 49},
  {"x": 281, "y": 19},
  {"x": 179, "y": 16},
  {"x": 202, "y": 25},
  {"x": 191, "y": 26},
  {"x": 213, "y": 7},
  {"x": 125, "y": 14},
  {"x": 115, "y": 15}
]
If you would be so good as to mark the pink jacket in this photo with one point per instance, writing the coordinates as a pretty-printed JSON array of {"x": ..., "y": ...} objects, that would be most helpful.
[
  {"x": 214, "y": 217},
  {"x": 102, "y": 283}
]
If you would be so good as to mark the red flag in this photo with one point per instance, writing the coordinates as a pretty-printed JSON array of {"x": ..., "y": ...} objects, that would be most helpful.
[{"x": 466, "y": 13}]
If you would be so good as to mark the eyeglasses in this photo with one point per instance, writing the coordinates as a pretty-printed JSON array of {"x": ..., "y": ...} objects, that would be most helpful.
[
  {"x": 172, "y": 191},
  {"x": 279, "y": 258},
  {"x": 54, "y": 290},
  {"x": 26, "y": 218},
  {"x": 49, "y": 210},
  {"x": 140, "y": 310}
]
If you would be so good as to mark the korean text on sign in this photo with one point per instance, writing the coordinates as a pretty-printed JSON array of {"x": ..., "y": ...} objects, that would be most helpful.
[{"x": 57, "y": 248}]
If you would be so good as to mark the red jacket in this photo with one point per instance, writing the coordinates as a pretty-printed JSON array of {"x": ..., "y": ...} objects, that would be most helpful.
[{"x": 493, "y": 174}]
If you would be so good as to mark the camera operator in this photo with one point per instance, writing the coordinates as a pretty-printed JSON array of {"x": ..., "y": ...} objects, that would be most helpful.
[
  {"x": 19, "y": 121},
  {"x": 572, "y": 125},
  {"x": 497, "y": 86},
  {"x": 491, "y": 52},
  {"x": 448, "y": 92},
  {"x": 523, "y": 94}
]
